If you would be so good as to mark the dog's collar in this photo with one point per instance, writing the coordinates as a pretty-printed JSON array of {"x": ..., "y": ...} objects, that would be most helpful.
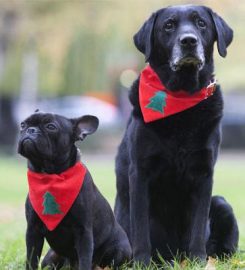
[
  {"x": 52, "y": 195},
  {"x": 157, "y": 102}
]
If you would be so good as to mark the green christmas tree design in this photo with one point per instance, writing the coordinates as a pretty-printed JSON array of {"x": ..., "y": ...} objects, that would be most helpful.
[
  {"x": 158, "y": 101},
  {"x": 50, "y": 205}
]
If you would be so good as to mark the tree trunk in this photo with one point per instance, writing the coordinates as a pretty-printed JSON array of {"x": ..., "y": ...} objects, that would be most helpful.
[{"x": 8, "y": 128}]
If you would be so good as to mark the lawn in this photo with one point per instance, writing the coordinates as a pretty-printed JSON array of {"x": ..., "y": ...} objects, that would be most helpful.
[{"x": 229, "y": 182}]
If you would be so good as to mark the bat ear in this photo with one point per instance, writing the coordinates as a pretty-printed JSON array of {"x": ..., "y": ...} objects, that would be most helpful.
[
  {"x": 224, "y": 34},
  {"x": 143, "y": 39},
  {"x": 84, "y": 126}
]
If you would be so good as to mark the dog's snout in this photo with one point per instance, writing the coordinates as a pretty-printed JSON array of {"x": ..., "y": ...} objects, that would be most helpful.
[
  {"x": 188, "y": 40},
  {"x": 32, "y": 130}
]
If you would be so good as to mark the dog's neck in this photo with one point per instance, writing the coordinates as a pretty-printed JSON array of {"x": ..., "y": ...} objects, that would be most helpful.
[
  {"x": 57, "y": 165},
  {"x": 188, "y": 79}
]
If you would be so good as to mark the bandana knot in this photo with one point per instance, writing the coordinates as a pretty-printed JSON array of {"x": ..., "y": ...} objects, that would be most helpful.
[
  {"x": 52, "y": 195},
  {"x": 157, "y": 102}
]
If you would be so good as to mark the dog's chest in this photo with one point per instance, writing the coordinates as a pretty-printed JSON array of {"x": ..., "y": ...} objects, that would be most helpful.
[
  {"x": 189, "y": 130},
  {"x": 63, "y": 237},
  {"x": 182, "y": 150}
]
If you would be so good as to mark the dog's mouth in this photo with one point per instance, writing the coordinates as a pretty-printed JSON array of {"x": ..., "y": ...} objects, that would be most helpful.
[
  {"x": 33, "y": 149},
  {"x": 26, "y": 146},
  {"x": 186, "y": 62}
]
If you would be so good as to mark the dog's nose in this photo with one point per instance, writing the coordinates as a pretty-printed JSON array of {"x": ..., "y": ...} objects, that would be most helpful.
[
  {"x": 32, "y": 130},
  {"x": 188, "y": 40}
]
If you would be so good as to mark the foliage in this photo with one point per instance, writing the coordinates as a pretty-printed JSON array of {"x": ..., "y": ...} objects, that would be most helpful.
[
  {"x": 80, "y": 43},
  {"x": 84, "y": 62},
  {"x": 11, "y": 77}
]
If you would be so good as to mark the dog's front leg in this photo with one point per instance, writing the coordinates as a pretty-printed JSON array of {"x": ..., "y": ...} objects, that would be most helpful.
[
  {"x": 139, "y": 214},
  {"x": 84, "y": 248},
  {"x": 202, "y": 181},
  {"x": 34, "y": 245},
  {"x": 200, "y": 211}
]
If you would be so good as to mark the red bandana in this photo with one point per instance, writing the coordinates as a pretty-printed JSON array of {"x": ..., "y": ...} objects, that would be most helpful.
[
  {"x": 52, "y": 195},
  {"x": 157, "y": 102}
]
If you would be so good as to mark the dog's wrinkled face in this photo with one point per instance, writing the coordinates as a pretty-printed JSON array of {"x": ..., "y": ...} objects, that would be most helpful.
[
  {"x": 45, "y": 136},
  {"x": 183, "y": 36}
]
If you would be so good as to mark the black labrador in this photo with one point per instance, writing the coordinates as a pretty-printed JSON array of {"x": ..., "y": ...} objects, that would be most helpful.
[{"x": 165, "y": 168}]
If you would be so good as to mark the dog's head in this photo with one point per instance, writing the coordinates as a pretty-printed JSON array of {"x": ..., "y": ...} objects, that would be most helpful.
[
  {"x": 183, "y": 37},
  {"x": 46, "y": 136}
]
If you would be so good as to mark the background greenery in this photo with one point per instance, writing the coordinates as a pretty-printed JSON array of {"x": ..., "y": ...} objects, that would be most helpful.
[{"x": 83, "y": 45}]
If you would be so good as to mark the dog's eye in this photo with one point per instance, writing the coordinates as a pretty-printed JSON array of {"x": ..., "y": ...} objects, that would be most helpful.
[
  {"x": 50, "y": 126},
  {"x": 22, "y": 125},
  {"x": 169, "y": 26},
  {"x": 201, "y": 23}
]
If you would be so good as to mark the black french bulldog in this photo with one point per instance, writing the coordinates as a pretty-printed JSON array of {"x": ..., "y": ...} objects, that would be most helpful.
[
  {"x": 88, "y": 234},
  {"x": 165, "y": 167}
]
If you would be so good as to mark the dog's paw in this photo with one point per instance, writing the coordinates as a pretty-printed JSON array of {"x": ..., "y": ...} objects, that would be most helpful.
[
  {"x": 198, "y": 256},
  {"x": 99, "y": 268},
  {"x": 211, "y": 264},
  {"x": 142, "y": 259}
]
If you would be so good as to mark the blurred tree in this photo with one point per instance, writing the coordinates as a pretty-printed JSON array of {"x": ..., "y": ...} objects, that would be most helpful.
[
  {"x": 55, "y": 24},
  {"x": 85, "y": 62},
  {"x": 28, "y": 88},
  {"x": 10, "y": 49},
  {"x": 85, "y": 45},
  {"x": 8, "y": 76}
]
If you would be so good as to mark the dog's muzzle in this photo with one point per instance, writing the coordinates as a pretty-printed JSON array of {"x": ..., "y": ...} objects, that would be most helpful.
[
  {"x": 188, "y": 51},
  {"x": 26, "y": 145}
]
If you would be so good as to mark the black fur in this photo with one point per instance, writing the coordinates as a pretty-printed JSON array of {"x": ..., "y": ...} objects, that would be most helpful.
[
  {"x": 88, "y": 233},
  {"x": 165, "y": 168}
]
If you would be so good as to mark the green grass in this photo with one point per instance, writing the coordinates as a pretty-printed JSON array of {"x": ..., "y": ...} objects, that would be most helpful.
[{"x": 229, "y": 182}]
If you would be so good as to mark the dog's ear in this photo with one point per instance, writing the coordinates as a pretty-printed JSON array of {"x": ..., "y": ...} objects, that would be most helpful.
[
  {"x": 143, "y": 39},
  {"x": 224, "y": 33},
  {"x": 84, "y": 126}
]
